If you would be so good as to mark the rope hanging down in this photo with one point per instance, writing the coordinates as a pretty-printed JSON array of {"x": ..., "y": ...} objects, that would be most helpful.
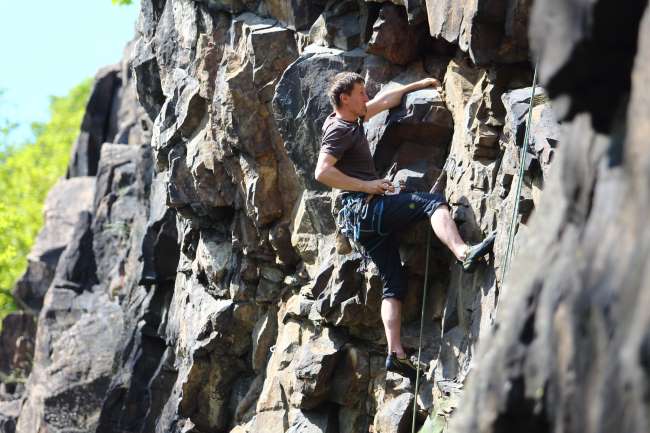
[
  {"x": 424, "y": 303},
  {"x": 522, "y": 161},
  {"x": 511, "y": 236}
]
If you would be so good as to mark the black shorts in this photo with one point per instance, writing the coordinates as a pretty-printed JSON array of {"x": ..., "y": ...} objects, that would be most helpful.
[{"x": 385, "y": 216}]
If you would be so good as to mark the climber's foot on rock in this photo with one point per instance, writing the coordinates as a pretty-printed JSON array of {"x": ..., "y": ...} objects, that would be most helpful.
[
  {"x": 474, "y": 253},
  {"x": 403, "y": 366}
]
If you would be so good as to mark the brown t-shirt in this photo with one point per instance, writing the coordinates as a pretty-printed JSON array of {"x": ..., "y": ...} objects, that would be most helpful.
[{"x": 347, "y": 142}]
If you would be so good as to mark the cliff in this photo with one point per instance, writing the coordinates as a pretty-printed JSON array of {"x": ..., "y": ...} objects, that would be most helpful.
[{"x": 188, "y": 277}]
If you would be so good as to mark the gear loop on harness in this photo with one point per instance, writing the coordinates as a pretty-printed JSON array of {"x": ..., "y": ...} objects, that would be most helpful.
[{"x": 354, "y": 211}]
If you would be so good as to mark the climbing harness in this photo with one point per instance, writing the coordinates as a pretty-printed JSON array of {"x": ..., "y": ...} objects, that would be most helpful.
[
  {"x": 354, "y": 211},
  {"x": 424, "y": 303},
  {"x": 522, "y": 161}
]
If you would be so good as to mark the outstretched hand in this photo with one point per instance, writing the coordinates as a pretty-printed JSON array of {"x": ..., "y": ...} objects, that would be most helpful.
[{"x": 429, "y": 82}]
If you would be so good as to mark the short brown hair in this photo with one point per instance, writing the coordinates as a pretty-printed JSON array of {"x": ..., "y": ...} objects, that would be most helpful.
[{"x": 343, "y": 82}]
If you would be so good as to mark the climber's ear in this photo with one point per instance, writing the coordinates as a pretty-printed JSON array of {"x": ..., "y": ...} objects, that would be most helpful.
[{"x": 345, "y": 99}]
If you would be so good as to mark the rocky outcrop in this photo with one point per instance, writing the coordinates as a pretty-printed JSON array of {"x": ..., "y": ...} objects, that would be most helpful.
[
  {"x": 60, "y": 215},
  {"x": 571, "y": 349},
  {"x": 112, "y": 116},
  {"x": 488, "y": 31},
  {"x": 78, "y": 269},
  {"x": 81, "y": 323},
  {"x": 203, "y": 289}
]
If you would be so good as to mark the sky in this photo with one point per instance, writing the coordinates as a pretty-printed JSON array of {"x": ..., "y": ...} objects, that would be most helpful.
[{"x": 49, "y": 46}]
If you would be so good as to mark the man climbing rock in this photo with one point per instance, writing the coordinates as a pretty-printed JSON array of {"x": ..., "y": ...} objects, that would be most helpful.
[{"x": 371, "y": 211}]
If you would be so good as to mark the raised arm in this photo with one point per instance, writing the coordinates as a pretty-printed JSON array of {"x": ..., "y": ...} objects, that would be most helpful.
[
  {"x": 385, "y": 100},
  {"x": 331, "y": 176}
]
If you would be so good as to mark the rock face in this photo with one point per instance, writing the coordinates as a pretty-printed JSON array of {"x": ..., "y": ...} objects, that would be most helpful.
[
  {"x": 571, "y": 350},
  {"x": 201, "y": 287},
  {"x": 61, "y": 216},
  {"x": 487, "y": 30}
]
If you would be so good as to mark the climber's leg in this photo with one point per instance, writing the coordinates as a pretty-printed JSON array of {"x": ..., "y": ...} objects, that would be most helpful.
[
  {"x": 407, "y": 208},
  {"x": 445, "y": 228},
  {"x": 404, "y": 209},
  {"x": 391, "y": 315},
  {"x": 385, "y": 255},
  {"x": 382, "y": 245}
]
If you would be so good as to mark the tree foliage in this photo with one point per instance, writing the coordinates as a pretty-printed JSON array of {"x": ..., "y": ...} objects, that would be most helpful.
[
  {"x": 122, "y": 2},
  {"x": 27, "y": 172}
]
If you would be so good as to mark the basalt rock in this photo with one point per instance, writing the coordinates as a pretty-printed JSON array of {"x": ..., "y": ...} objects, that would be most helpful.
[
  {"x": 394, "y": 38},
  {"x": 569, "y": 353},
  {"x": 61, "y": 217},
  {"x": 112, "y": 115},
  {"x": 204, "y": 288},
  {"x": 94, "y": 128},
  {"x": 489, "y": 31},
  {"x": 343, "y": 25}
]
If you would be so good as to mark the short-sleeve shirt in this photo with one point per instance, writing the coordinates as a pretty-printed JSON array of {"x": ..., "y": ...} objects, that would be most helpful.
[{"x": 347, "y": 142}]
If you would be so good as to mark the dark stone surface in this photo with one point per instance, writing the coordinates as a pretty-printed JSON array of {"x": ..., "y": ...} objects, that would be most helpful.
[
  {"x": 422, "y": 125},
  {"x": 61, "y": 218},
  {"x": 77, "y": 269},
  {"x": 182, "y": 306},
  {"x": 545, "y": 133},
  {"x": 394, "y": 38},
  {"x": 344, "y": 25},
  {"x": 160, "y": 247},
  {"x": 575, "y": 52},
  {"x": 147, "y": 80},
  {"x": 95, "y": 126},
  {"x": 300, "y": 106},
  {"x": 569, "y": 349},
  {"x": 82, "y": 328},
  {"x": 489, "y": 31},
  {"x": 295, "y": 14}
]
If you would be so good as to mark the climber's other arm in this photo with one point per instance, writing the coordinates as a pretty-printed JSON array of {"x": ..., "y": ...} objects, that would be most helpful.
[
  {"x": 331, "y": 176},
  {"x": 385, "y": 100}
]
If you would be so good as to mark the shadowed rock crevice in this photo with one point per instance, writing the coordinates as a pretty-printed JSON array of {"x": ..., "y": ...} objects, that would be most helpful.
[{"x": 573, "y": 57}]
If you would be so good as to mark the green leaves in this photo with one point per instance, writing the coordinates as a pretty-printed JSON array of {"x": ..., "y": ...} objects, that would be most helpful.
[
  {"x": 27, "y": 172},
  {"x": 122, "y": 2}
]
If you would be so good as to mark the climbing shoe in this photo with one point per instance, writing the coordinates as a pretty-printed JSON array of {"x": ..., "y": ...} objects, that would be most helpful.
[
  {"x": 476, "y": 252},
  {"x": 403, "y": 366}
]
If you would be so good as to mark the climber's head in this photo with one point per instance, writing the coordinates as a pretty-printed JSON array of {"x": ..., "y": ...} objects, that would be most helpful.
[{"x": 348, "y": 93}]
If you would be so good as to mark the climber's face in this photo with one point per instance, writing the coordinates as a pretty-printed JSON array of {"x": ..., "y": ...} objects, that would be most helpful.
[{"x": 355, "y": 102}]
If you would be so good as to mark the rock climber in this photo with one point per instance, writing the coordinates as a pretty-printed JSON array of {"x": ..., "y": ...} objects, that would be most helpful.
[{"x": 371, "y": 211}]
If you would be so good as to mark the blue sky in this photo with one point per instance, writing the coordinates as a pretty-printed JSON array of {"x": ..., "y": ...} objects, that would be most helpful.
[{"x": 49, "y": 46}]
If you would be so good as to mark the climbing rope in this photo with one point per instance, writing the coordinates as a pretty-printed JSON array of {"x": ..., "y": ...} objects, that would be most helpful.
[
  {"x": 511, "y": 236},
  {"x": 522, "y": 161},
  {"x": 424, "y": 303}
]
